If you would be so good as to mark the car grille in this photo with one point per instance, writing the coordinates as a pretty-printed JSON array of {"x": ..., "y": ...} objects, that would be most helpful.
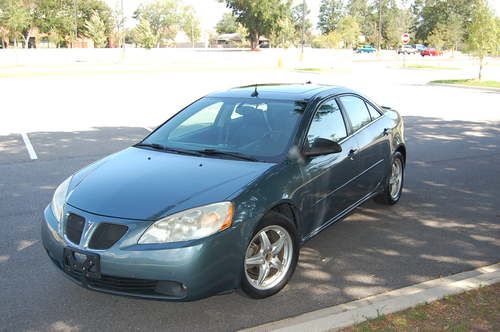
[
  {"x": 74, "y": 227},
  {"x": 118, "y": 284},
  {"x": 106, "y": 235}
]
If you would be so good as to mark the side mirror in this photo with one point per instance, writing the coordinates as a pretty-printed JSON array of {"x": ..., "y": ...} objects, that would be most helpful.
[{"x": 322, "y": 146}]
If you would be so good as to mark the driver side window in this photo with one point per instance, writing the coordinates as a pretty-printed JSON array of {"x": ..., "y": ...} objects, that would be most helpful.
[{"x": 327, "y": 123}]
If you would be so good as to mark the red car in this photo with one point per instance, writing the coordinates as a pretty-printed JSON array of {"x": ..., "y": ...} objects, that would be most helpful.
[{"x": 431, "y": 52}]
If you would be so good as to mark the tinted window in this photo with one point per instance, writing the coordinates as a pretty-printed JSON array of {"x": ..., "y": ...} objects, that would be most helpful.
[
  {"x": 356, "y": 111},
  {"x": 327, "y": 123},
  {"x": 259, "y": 128},
  {"x": 373, "y": 112}
]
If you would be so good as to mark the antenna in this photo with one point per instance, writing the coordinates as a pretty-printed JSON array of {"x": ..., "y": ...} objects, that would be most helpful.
[{"x": 255, "y": 93}]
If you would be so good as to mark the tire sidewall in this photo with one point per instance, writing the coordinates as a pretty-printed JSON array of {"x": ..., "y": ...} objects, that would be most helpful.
[{"x": 272, "y": 218}]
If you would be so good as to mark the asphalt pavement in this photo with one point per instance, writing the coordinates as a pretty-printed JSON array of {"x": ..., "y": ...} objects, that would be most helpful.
[{"x": 448, "y": 221}]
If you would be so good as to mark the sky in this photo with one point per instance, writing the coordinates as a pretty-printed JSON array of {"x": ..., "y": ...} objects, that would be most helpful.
[{"x": 210, "y": 11}]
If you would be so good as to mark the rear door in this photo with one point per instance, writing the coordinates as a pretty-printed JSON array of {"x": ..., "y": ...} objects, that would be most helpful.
[
  {"x": 372, "y": 140},
  {"x": 328, "y": 189}
]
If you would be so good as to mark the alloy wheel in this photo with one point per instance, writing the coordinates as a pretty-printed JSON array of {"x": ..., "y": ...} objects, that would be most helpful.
[
  {"x": 268, "y": 257},
  {"x": 396, "y": 179}
]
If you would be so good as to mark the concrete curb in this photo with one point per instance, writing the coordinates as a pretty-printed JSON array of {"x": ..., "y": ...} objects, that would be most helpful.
[
  {"x": 462, "y": 86},
  {"x": 351, "y": 313}
]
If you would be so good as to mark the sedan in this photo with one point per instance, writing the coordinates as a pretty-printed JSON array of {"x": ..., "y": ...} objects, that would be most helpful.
[
  {"x": 223, "y": 194},
  {"x": 431, "y": 52},
  {"x": 366, "y": 49}
]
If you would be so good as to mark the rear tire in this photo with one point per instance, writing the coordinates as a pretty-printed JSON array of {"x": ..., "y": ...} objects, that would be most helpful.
[
  {"x": 393, "y": 186},
  {"x": 270, "y": 257}
]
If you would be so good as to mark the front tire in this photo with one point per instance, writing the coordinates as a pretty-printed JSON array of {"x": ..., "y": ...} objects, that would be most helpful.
[
  {"x": 271, "y": 256},
  {"x": 393, "y": 186}
]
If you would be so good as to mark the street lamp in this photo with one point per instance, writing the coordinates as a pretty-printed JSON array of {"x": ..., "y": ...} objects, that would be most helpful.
[{"x": 303, "y": 29}]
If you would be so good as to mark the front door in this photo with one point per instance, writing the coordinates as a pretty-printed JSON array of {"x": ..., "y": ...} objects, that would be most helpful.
[{"x": 328, "y": 189}]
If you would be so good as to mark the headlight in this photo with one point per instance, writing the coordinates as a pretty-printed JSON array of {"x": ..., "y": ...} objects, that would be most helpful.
[
  {"x": 190, "y": 224},
  {"x": 60, "y": 198}
]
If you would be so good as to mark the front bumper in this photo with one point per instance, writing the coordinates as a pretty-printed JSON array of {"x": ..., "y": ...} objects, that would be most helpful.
[{"x": 175, "y": 271}]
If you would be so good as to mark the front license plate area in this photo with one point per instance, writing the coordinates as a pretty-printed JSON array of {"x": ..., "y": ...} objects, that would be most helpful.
[{"x": 82, "y": 264}]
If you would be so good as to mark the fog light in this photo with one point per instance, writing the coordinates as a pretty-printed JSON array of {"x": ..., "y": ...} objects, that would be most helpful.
[{"x": 171, "y": 288}]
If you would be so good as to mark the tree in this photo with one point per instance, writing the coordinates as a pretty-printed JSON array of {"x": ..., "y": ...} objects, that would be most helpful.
[
  {"x": 143, "y": 35},
  {"x": 96, "y": 30},
  {"x": 191, "y": 24},
  {"x": 482, "y": 35},
  {"x": 88, "y": 8},
  {"x": 429, "y": 13},
  {"x": 227, "y": 24},
  {"x": 15, "y": 18},
  {"x": 259, "y": 17},
  {"x": 55, "y": 18},
  {"x": 437, "y": 37},
  {"x": 348, "y": 30},
  {"x": 163, "y": 17},
  {"x": 454, "y": 31},
  {"x": 298, "y": 13},
  {"x": 330, "y": 13}
]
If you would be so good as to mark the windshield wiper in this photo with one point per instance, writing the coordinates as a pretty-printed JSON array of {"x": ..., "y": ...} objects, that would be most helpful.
[
  {"x": 236, "y": 155},
  {"x": 160, "y": 147}
]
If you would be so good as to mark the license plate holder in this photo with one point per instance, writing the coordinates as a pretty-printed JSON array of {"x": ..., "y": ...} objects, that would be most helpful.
[{"x": 82, "y": 264}]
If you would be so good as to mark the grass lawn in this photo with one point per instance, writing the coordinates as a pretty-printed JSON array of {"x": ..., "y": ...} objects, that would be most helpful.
[
  {"x": 416, "y": 66},
  {"x": 471, "y": 82},
  {"x": 476, "y": 310},
  {"x": 315, "y": 70}
]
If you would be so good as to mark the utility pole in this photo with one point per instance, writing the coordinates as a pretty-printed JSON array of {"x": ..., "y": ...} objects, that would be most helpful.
[
  {"x": 192, "y": 33},
  {"x": 379, "y": 25},
  {"x": 122, "y": 25},
  {"x": 303, "y": 29},
  {"x": 75, "y": 5}
]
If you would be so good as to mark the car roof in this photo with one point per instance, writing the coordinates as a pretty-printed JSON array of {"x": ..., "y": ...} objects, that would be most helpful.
[{"x": 281, "y": 91}]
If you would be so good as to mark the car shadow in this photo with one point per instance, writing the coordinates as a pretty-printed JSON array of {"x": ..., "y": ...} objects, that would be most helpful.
[{"x": 447, "y": 221}]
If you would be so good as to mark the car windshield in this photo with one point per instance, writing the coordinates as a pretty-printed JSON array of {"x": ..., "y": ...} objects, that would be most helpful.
[{"x": 236, "y": 128}]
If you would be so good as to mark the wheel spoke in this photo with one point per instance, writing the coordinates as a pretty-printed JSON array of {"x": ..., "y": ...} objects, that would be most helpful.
[
  {"x": 265, "y": 243},
  {"x": 278, "y": 245},
  {"x": 263, "y": 272},
  {"x": 257, "y": 259},
  {"x": 276, "y": 263}
]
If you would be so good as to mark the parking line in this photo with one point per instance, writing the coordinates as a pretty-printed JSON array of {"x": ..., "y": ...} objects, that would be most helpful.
[
  {"x": 29, "y": 146},
  {"x": 148, "y": 129}
]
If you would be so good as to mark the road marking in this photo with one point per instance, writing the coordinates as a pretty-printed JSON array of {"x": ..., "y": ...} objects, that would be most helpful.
[
  {"x": 29, "y": 147},
  {"x": 348, "y": 314},
  {"x": 150, "y": 129}
]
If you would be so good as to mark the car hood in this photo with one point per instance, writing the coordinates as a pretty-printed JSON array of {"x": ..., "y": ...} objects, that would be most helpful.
[{"x": 147, "y": 185}]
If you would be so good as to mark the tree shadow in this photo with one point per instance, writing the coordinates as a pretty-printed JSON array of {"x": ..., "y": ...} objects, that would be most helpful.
[{"x": 448, "y": 221}]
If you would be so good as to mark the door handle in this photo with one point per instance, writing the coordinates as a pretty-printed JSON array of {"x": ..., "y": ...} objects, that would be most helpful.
[
  {"x": 351, "y": 153},
  {"x": 386, "y": 131}
]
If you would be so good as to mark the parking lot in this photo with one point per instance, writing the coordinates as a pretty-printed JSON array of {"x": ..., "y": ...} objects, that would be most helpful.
[{"x": 448, "y": 219}]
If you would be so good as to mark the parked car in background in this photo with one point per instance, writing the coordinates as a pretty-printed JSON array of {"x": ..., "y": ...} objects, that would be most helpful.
[
  {"x": 407, "y": 49},
  {"x": 223, "y": 195},
  {"x": 420, "y": 47},
  {"x": 431, "y": 52},
  {"x": 366, "y": 49}
]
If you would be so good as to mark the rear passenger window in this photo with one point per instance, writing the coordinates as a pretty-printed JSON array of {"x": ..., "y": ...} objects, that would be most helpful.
[
  {"x": 373, "y": 112},
  {"x": 356, "y": 111},
  {"x": 327, "y": 123}
]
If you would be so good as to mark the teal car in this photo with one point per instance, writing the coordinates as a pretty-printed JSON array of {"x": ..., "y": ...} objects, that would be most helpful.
[
  {"x": 223, "y": 194},
  {"x": 366, "y": 49}
]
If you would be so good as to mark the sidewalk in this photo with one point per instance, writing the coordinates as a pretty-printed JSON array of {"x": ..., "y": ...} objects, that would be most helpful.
[{"x": 351, "y": 313}]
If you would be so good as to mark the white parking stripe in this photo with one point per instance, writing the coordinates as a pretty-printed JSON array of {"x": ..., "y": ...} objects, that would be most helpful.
[
  {"x": 29, "y": 147},
  {"x": 148, "y": 129}
]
